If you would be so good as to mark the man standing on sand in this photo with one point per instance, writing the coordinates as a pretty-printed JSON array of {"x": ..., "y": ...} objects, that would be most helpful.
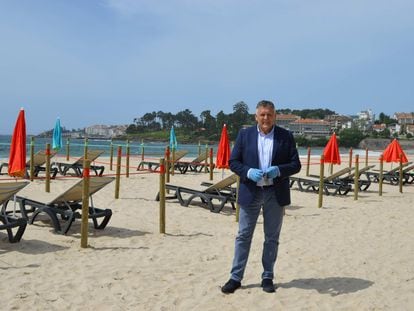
[{"x": 264, "y": 156}]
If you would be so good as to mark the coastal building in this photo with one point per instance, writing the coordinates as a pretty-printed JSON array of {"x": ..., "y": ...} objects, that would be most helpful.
[
  {"x": 310, "y": 128},
  {"x": 284, "y": 120},
  {"x": 404, "y": 118},
  {"x": 105, "y": 131},
  {"x": 379, "y": 127},
  {"x": 338, "y": 122}
]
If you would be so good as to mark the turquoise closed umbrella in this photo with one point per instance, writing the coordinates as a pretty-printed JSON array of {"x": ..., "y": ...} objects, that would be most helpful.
[
  {"x": 57, "y": 136},
  {"x": 173, "y": 139}
]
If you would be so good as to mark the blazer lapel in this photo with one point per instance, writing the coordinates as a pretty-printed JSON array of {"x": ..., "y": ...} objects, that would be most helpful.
[
  {"x": 253, "y": 138},
  {"x": 275, "y": 144}
]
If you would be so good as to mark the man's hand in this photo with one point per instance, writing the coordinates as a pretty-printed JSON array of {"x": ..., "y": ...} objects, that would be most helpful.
[
  {"x": 272, "y": 172},
  {"x": 255, "y": 174}
]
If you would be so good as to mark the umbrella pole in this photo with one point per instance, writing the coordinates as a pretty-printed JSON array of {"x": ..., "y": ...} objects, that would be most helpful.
[{"x": 211, "y": 164}]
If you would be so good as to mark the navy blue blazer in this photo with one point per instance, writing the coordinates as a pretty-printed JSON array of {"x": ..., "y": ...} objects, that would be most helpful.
[{"x": 245, "y": 156}]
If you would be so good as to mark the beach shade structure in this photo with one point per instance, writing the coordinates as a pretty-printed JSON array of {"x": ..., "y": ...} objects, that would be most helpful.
[
  {"x": 223, "y": 151},
  {"x": 57, "y": 136},
  {"x": 331, "y": 151},
  {"x": 17, "y": 158},
  {"x": 173, "y": 139},
  {"x": 393, "y": 151}
]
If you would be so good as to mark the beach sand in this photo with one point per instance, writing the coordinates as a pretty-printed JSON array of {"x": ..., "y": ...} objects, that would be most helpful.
[{"x": 348, "y": 255}]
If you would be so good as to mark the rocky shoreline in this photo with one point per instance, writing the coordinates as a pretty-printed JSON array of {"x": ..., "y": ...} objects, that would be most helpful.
[{"x": 381, "y": 143}]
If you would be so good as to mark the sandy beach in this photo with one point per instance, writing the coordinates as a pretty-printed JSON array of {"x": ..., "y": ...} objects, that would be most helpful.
[{"x": 348, "y": 255}]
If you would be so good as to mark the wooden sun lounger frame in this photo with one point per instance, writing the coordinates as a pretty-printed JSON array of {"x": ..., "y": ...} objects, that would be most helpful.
[
  {"x": 409, "y": 176},
  {"x": 8, "y": 221},
  {"x": 196, "y": 165},
  {"x": 363, "y": 184},
  {"x": 77, "y": 166},
  {"x": 331, "y": 184},
  {"x": 67, "y": 206},
  {"x": 220, "y": 191},
  {"x": 391, "y": 176},
  {"x": 39, "y": 160},
  {"x": 153, "y": 166}
]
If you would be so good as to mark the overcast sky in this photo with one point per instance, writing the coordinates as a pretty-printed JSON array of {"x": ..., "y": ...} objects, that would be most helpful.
[{"x": 109, "y": 61}]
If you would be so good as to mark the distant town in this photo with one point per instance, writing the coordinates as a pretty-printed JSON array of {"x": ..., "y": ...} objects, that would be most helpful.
[{"x": 400, "y": 124}]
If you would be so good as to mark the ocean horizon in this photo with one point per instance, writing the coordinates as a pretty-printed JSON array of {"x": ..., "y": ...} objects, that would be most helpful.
[{"x": 151, "y": 149}]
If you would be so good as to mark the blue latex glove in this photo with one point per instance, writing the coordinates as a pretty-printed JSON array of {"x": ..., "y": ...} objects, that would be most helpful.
[
  {"x": 254, "y": 174},
  {"x": 272, "y": 172}
]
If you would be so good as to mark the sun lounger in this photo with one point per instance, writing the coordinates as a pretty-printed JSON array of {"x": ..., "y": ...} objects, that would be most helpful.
[
  {"x": 332, "y": 185},
  {"x": 39, "y": 160},
  {"x": 363, "y": 184},
  {"x": 408, "y": 173},
  {"x": 77, "y": 166},
  {"x": 220, "y": 191},
  {"x": 68, "y": 205},
  {"x": 8, "y": 221},
  {"x": 391, "y": 176},
  {"x": 195, "y": 165},
  {"x": 153, "y": 166}
]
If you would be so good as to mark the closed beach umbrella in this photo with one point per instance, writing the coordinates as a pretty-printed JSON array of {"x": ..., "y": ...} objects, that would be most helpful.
[
  {"x": 173, "y": 139},
  {"x": 223, "y": 151},
  {"x": 331, "y": 151},
  {"x": 393, "y": 151},
  {"x": 57, "y": 136},
  {"x": 17, "y": 158}
]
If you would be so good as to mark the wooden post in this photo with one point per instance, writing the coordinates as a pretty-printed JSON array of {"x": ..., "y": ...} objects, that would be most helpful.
[
  {"x": 47, "y": 183},
  {"x": 85, "y": 204},
  {"x": 401, "y": 174},
  {"x": 142, "y": 150},
  {"x": 321, "y": 186},
  {"x": 206, "y": 161},
  {"x": 307, "y": 167},
  {"x": 162, "y": 195},
  {"x": 172, "y": 163},
  {"x": 118, "y": 172},
  {"x": 380, "y": 175},
  {"x": 211, "y": 164},
  {"x": 31, "y": 158},
  {"x": 67, "y": 149},
  {"x": 350, "y": 157},
  {"x": 167, "y": 164},
  {"x": 356, "y": 177},
  {"x": 127, "y": 158},
  {"x": 85, "y": 149},
  {"x": 366, "y": 156},
  {"x": 111, "y": 158}
]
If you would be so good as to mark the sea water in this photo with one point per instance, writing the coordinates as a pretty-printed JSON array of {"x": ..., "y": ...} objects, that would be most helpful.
[{"x": 149, "y": 149}]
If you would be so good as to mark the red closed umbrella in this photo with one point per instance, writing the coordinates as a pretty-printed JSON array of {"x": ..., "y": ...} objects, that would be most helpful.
[
  {"x": 331, "y": 151},
  {"x": 393, "y": 151},
  {"x": 223, "y": 151},
  {"x": 17, "y": 158}
]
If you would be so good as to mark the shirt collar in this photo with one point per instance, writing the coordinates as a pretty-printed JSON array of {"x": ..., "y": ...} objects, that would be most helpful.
[{"x": 263, "y": 134}]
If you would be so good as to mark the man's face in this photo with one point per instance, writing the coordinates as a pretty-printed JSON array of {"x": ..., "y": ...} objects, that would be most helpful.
[{"x": 265, "y": 118}]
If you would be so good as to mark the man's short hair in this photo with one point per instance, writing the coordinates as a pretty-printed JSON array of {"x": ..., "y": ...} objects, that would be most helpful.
[{"x": 265, "y": 103}]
